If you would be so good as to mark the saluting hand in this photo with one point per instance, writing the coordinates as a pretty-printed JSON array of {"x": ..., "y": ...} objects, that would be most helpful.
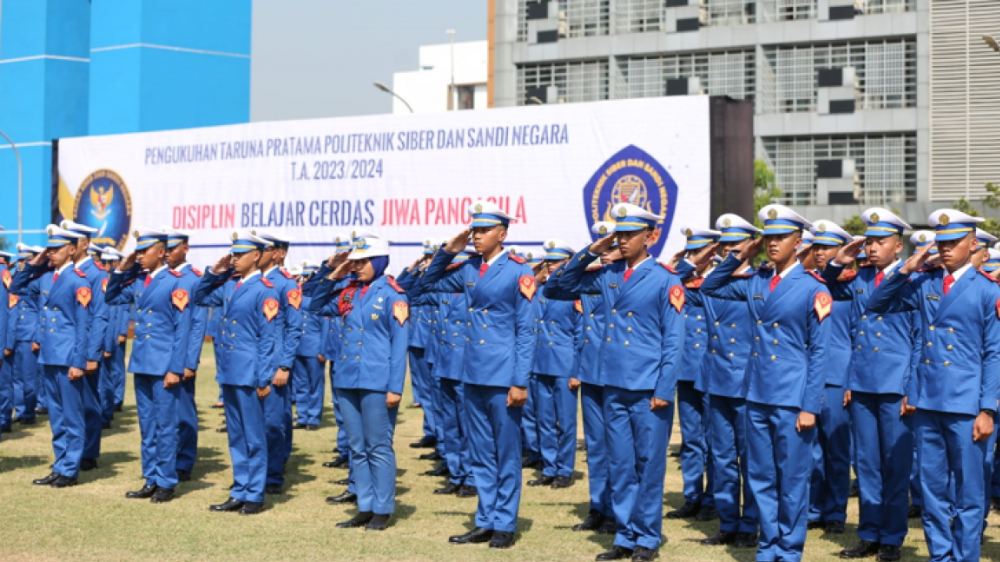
[
  {"x": 806, "y": 420},
  {"x": 603, "y": 245},
  {"x": 392, "y": 400},
  {"x": 917, "y": 260},
  {"x": 749, "y": 248},
  {"x": 42, "y": 258},
  {"x": 459, "y": 242},
  {"x": 341, "y": 271},
  {"x": 128, "y": 263},
  {"x": 849, "y": 252},
  {"x": 171, "y": 380},
  {"x": 223, "y": 264},
  {"x": 516, "y": 397},
  {"x": 702, "y": 256}
]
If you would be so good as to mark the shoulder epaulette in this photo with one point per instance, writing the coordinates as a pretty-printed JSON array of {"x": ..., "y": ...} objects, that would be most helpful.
[
  {"x": 101, "y": 267},
  {"x": 175, "y": 273},
  {"x": 988, "y": 276},
  {"x": 816, "y": 276},
  {"x": 286, "y": 274},
  {"x": 197, "y": 271},
  {"x": 394, "y": 285},
  {"x": 80, "y": 272},
  {"x": 518, "y": 259},
  {"x": 695, "y": 283},
  {"x": 847, "y": 275},
  {"x": 667, "y": 267},
  {"x": 266, "y": 283}
]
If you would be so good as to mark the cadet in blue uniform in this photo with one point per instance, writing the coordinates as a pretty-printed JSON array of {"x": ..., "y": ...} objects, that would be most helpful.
[
  {"x": 308, "y": 369},
  {"x": 22, "y": 345},
  {"x": 249, "y": 307},
  {"x": 113, "y": 348},
  {"x": 919, "y": 239},
  {"x": 419, "y": 371},
  {"x": 723, "y": 376},
  {"x": 692, "y": 403},
  {"x": 785, "y": 376},
  {"x": 331, "y": 351},
  {"x": 158, "y": 357},
  {"x": 558, "y": 324},
  {"x": 371, "y": 372},
  {"x": 278, "y": 405},
  {"x": 178, "y": 245},
  {"x": 639, "y": 362},
  {"x": 955, "y": 388},
  {"x": 831, "y": 474},
  {"x": 99, "y": 315},
  {"x": 6, "y": 366},
  {"x": 498, "y": 351},
  {"x": 64, "y": 296},
  {"x": 876, "y": 384}
]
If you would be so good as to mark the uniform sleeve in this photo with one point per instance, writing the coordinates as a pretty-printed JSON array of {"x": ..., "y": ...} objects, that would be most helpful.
[
  {"x": 524, "y": 333},
  {"x": 22, "y": 283},
  {"x": 266, "y": 340},
  {"x": 291, "y": 332},
  {"x": 575, "y": 277},
  {"x": 818, "y": 350},
  {"x": 896, "y": 294},
  {"x": 916, "y": 346},
  {"x": 181, "y": 333},
  {"x": 695, "y": 297},
  {"x": 437, "y": 278},
  {"x": 399, "y": 335},
  {"x": 990, "y": 380},
  {"x": 5, "y": 314},
  {"x": 196, "y": 336},
  {"x": 209, "y": 290},
  {"x": 324, "y": 299},
  {"x": 839, "y": 290},
  {"x": 12, "y": 320},
  {"x": 78, "y": 357},
  {"x": 123, "y": 318},
  {"x": 118, "y": 292},
  {"x": 554, "y": 289},
  {"x": 312, "y": 284},
  {"x": 721, "y": 284},
  {"x": 99, "y": 316},
  {"x": 671, "y": 342}
]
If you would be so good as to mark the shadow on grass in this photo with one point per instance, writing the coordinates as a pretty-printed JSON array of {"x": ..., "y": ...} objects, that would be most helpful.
[
  {"x": 109, "y": 466},
  {"x": 15, "y": 463}
]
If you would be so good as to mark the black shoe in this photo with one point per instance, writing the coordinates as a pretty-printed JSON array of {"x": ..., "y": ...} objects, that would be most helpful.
[
  {"x": 915, "y": 511},
  {"x": 88, "y": 464},
  {"x": 745, "y": 540},
  {"x": 183, "y": 475},
  {"x": 274, "y": 489},
  {"x": 834, "y": 527},
  {"x": 888, "y": 553},
  {"x": 343, "y": 482},
  {"x": 47, "y": 481},
  {"x": 815, "y": 524},
  {"x": 475, "y": 536},
  {"x": 336, "y": 450},
  {"x": 222, "y": 429},
  {"x": 609, "y": 527},
  {"x": 591, "y": 523},
  {"x": 312, "y": 427},
  {"x": 707, "y": 513},
  {"x": 217, "y": 405},
  {"x": 502, "y": 539},
  {"x": 27, "y": 421},
  {"x": 251, "y": 508},
  {"x": 346, "y": 497},
  {"x": 532, "y": 465},
  {"x": 562, "y": 482},
  {"x": 299, "y": 426},
  {"x": 162, "y": 495},
  {"x": 448, "y": 490},
  {"x": 426, "y": 442},
  {"x": 543, "y": 481},
  {"x": 643, "y": 554},
  {"x": 377, "y": 523},
  {"x": 230, "y": 505},
  {"x": 339, "y": 462},
  {"x": 688, "y": 510},
  {"x": 616, "y": 553},
  {"x": 468, "y": 492},
  {"x": 441, "y": 470},
  {"x": 106, "y": 425},
  {"x": 359, "y": 520},
  {"x": 118, "y": 407},
  {"x": 720, "y": 538},
  {"x": 145, "y": 493},
  {"x": 43, "y": 411},
  {"x": 64, "y": 482},
  {"x": 863, "y": 549},
  {"x": 432, "y": 456}
]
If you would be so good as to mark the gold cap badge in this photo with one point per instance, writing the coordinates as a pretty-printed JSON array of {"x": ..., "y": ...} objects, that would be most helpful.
[
  {"x": 874, "y": 217},
  {"x": 944, "y": 219},
  {"x": 772, "y": 214},
  {"x": 478, "y": 208},
  {"x": 622, "y": 212},
  {"x": 822, "y": 227},
  {"x": 726, "y": 223},
  {"x": 236, "y": 236},
  {"x": 603, "y": 230}
]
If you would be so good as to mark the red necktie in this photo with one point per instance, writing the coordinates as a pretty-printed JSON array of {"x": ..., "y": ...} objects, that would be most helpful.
[
  {"x": 148, "y": 279},
  {"x": 948, "y": 282},
  {"x": 483, "y": 268},
  {"x": 879, "y": 278},
  {"x": 774, "y": 282},
  {"x": 55, "y": 278},
  {"x": 628, "y": 273},
  {"x": 238, "y": 283}
]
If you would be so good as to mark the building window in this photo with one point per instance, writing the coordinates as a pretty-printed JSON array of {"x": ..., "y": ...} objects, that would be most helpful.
[
  {"x": 784, "y": 10},
  {"x": 885, "y": 166},
  {"x": 727, "y": 73},
  {"x": 573, "y": 81},
  {"x": 884, "y": 6},
  {"x": 728, "y": 12},
  {"x": 639, "y": 16},
  {"x": 466, "y": 97},
  {"x": 583, "y": 18}
]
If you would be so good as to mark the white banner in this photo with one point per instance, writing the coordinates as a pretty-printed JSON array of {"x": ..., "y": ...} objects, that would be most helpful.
[{"x": 557, "y": 168}]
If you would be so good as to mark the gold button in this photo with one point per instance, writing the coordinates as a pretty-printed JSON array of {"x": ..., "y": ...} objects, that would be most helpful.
[
  {"x": 930, "y": 344},
  {"x": 630, "y": 315},
  {"x": 864, "y": 317},
  {"x": 698, "y": 331},
  {"x": 876, "y": 350},
  {"x": 951, "y": 330},
  {"x": 613, "y": 311},
  {"x": 732, "y": 340},
  {"x": 755, "y": 354},
  {"x": 756, "y": 338},
  {"x": 861, "y": 333},
  {"x": 730, "y": 353},
  {"x": 699, "y": 317},
  {"x": 550, "y": 343},
  {"x": 484, "y": 326},
  {"x": 775, "y": 325},
  {"x": 609, "y": 339},
  {"x": 775, "y": 342},
  {"x": 879, "y": 318},
  {"x": 628, "y": 329},
  {"x": 697, "y": 345},
  {"x": 859, "y": 347},
  {"x": 481, "y": 342},
  {"x": 716, "y": 323},
  {"x": 685, "y": 316},
  {"x": 928, "y": 361},
  {"x": 947, "y": 364},
  {"x": 773, "y": 357},
  {"x": 486, "y": 311},
  {"x": 626, "y": 342},
  {"x": 586, "y": 341},
  {"x": 759, "y": 322},
  {"x": 588, "y": 328},
  {"x": 948, "y": 348},
  {"x": 715, "y": 337},
  {"x": 470, "y": 309},
  {"x": 591, "y": 314},
  {"x": 612, "y": 326},
  {"x": 878, "y": 334},
  {"x": 733, "y": 325},
  {"x": 713, "y": 352},
  {"x": 356, "y": 357},
  {"x": 931, "y": 327}
]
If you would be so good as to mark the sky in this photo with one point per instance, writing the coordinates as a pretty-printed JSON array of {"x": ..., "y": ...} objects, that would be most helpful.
[{"x": 319, "y": 58}]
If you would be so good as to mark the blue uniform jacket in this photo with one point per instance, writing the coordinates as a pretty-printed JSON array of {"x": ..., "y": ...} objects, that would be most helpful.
[
  {"x": 590, "y": 331},
  {"x": 99, "y": 311},
  {"x": 312, "y": 327},
  {"x": 959, "y": 368},
  {"x": 64, "y": 318},
  {"x": 787, "y": 366},
  {"x": 557, "y": 327},
  {"x": 500, "y": 337},
  {"x": 164, "y": 311},
  {"x": 644, "y": 331},
  {"x": 199, "y": 317},
  {"x": 373, "y": 352},
  {"x": 838, "y": 363},
  {"x": 882, "y": 343},
  {"x": 695, "y": 335},
  {"x": 246, "y": 343},
  {"x": 288, "y": 332},
  {"x": 23, "y": 318},
  {"x": 451, "y": 331}
]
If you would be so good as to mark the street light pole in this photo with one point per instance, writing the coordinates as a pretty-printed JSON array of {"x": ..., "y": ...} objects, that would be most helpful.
[
  {"x": 386, "y": 89},
  {"x": 452, "y": 101},
  {"x": 20, "y": 188}
]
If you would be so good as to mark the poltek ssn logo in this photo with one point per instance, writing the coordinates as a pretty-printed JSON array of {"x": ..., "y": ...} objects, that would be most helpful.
[
  {"x": 103, "y": 202},
  {"x": 632, "y": 176}
]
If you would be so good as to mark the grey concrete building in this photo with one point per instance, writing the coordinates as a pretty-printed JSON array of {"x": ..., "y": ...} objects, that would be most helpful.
[{"x": 857, "y": 102}]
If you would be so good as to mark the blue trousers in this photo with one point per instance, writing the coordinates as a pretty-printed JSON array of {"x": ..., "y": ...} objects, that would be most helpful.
[
  {"x": 885, "y": 452},
  {"x": 278, "y": 420},
  {"x": 555, "y": 406},
  {"x": 995, "y": 480},
  {"x": 831, "y": 475},
  {"x": 247, "y": 441},
  {"x": 157, "y": 410},
  {"x": 6, "y": 393},
  {"x": 727, "y": 418},
  {"x": 308, "y": 374},
  {"x": 420, "y": 377},
  {"x": 457, "y": 455},
  {"x": 495, "y": 434},
  {"x": 65, "y": 418},
  {"x": 438, "y": 409},
  {"x": 187, "y": 425},
  {"x": 637, "y": 438},
  {"x": 691, "y": 407},
  {"x": 371, "y": 426},
  {"x": 529, "y": 423},
  {"x": 338, "y": 418},
  {"x": 93, "y": 415},
  {"x": 112, "y": 384},
  {"x": 595, "y": 436},
  {"x": 24, "y": 363},
  {"x": 991, "y": 444},
  {"x": 916, "y": 493},
  {"x": 948, "y": 457},
  {"x": 780, "y": 459}
]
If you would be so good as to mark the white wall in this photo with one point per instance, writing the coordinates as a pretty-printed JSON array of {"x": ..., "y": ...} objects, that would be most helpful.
[{"x": 426, "y": 89}]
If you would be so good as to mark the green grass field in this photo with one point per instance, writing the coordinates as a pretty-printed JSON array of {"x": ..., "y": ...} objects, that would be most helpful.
[{"x": 94, "y": 520}]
